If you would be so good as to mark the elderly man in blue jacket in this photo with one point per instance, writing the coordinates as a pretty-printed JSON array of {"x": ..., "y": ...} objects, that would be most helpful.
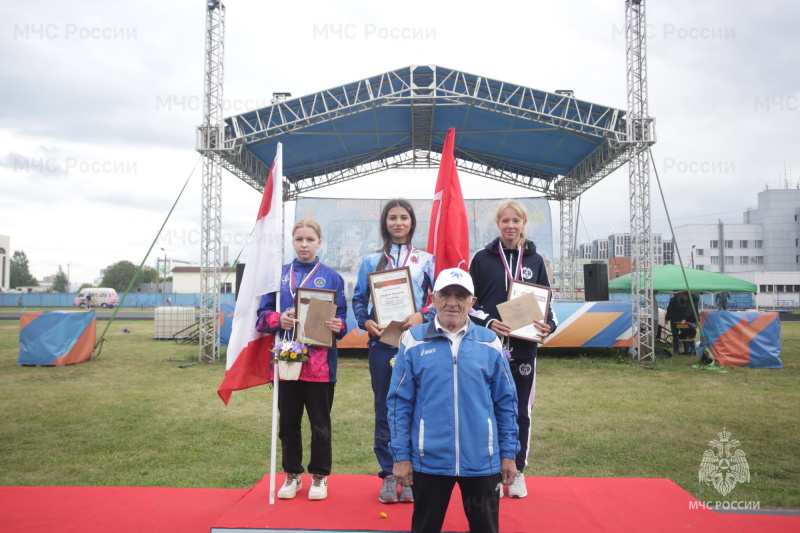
[{"x": 453, "y": 412}]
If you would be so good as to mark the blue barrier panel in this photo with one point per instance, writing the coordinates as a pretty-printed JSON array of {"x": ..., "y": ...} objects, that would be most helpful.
[{"x": 133, "y": 300}]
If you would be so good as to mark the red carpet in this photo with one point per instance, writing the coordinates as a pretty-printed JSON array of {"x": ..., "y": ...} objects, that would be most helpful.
[{"x": 553, "y": 504}]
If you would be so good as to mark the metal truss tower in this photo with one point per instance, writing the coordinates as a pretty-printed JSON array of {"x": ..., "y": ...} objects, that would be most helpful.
[
  {"x": 567, "y": 231},
  {"x": 640, "y": 135},
  {"x": 210, "y": 139}
]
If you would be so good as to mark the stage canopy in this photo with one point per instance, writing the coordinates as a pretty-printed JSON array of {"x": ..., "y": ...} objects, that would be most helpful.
[
  {"x": 669, "y": 278},
  {"x": 552, "y": 143}
]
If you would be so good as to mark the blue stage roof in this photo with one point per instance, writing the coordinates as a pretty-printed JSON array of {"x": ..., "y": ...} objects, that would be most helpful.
[{"x": 399, "y": 119}]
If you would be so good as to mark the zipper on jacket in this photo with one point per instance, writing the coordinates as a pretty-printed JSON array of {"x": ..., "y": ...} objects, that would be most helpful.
[{"x": 455, "y": 406}]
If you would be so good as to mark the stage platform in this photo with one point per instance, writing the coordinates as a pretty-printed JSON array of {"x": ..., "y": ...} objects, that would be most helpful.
[{"x": 553, "y": 504}]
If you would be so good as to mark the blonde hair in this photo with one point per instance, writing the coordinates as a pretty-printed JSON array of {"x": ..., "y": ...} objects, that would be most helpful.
[
  {"x": 519, "y": 209},
  {"x": 308, "y": 223}
]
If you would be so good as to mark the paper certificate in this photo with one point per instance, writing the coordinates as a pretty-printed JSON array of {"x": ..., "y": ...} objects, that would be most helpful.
[
  {"x": 542, "y": 297},
  {"x": 312, "y": 330},
  {"x": 392, "y": 295}
]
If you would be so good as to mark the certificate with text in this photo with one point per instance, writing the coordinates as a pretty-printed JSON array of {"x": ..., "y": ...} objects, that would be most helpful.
[
  {"x": 392, "y": 295},
  {"x": 542, "y": 297},
  {"x": 312, "y": 330}
]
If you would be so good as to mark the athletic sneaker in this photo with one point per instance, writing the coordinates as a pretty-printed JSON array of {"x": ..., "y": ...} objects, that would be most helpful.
[
  {"x": 290, "y": 487},
  {"x": 319, "y": 487},
  {"x": 518, "y": 488},
  {"x": 406, "y": 496},
  {"x": 388, "y": 490}
]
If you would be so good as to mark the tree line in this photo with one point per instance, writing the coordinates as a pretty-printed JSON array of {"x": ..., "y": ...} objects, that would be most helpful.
[{"x": 117, "y": 276}]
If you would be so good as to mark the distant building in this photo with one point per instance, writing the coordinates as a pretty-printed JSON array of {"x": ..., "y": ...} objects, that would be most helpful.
[
  {"x": 619, "y": 246},
  {"x": 767, "y": 240},
  {"x": 764, "y": 249},
  {"x": 186, "y": 279},
  {"x": 5, "y": 263}
]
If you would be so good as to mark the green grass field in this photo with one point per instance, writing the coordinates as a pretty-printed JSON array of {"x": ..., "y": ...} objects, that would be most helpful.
[{"x": 132, "y": 417}]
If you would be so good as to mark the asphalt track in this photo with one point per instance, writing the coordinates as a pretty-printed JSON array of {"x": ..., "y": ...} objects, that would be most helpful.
[{"x": 101, "y": 315}]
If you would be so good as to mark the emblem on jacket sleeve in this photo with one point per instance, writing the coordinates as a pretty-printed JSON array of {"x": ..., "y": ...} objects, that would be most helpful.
[{"x": 722, "y": 466}]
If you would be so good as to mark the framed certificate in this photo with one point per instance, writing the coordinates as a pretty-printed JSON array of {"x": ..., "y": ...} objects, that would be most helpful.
[
  {"x": 392, "y": 295},
  {"x": 312, "y": 316},
  {"x": 542, "y": 296}
]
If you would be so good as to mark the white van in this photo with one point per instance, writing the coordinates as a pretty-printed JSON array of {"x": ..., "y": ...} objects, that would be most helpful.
[{"x": 101, "y": 297}]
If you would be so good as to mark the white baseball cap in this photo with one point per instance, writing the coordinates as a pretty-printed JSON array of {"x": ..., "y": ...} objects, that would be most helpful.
[{"x": 454, "y": 276}]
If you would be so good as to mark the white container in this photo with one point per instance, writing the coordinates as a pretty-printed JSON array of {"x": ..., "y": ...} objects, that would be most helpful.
[
  {"x": 289, "y": 371},
  {"x": 173, "y": 322}
]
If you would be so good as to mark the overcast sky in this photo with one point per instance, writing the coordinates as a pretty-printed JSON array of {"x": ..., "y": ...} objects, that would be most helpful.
[{"x": 100, "y": 101}]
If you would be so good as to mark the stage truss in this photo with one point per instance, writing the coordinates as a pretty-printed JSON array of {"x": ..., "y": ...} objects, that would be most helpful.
[{"x": 622, "y": 137}]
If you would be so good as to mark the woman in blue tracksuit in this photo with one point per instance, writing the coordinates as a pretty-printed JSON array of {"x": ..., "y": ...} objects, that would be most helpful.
[
  {"x": 512, "y": 257},
  {"x": 397, "y": 225},
  {"x": 313, "y": 391}
]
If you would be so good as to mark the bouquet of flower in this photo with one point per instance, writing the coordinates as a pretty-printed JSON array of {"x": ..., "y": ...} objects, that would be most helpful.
[
  {"x": 290, "y": 351},
  {"x": 507, "y": 350}
]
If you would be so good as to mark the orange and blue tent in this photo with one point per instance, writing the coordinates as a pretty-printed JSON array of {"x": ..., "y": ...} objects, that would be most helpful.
[{"x": 56, "y": 337}]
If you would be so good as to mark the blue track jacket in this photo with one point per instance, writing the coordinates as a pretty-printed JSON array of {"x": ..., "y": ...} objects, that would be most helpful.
[
  {"x": 421, "y": 265},
  {"x": 452, "y": 416}
]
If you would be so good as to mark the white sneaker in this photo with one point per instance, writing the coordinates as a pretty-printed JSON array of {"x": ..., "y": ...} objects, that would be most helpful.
[
  {"x": 290, "y": 487},
  {"x": 518, "y": 489},
  {"x": 319, "y": 487}
]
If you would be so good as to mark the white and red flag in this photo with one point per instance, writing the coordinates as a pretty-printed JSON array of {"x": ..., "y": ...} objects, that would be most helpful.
[
  {"x": 248, "y": 362},
  {"x": 448, "y": 235}
]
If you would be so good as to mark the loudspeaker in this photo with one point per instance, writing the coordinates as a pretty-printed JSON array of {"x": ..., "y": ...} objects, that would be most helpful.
[
  {"x": 239, "y": 275},
  {"x": 595, "y": 281}
]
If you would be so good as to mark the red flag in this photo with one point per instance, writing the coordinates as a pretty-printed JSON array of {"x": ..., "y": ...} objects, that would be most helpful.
[
  {"x": 249, "y": 352},
  {"x": 448, "y": 235}
]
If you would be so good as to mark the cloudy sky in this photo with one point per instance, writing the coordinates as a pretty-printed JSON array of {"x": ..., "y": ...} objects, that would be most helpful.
[{"x": 100, "y": 101}]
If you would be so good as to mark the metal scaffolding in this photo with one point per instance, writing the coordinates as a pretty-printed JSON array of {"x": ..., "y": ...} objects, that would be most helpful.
[
  {"x": 210, "y": 139},
  {"x": 621, "y": 137},
  {"x": 640, "y": 135},
  {"x": 567, "y": 266}
]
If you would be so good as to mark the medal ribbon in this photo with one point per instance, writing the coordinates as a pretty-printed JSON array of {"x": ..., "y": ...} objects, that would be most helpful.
[
  {"x": 518, "y": 270},
  {"x": 390, "y": 261},
  {"x": 292, "y": 288}
]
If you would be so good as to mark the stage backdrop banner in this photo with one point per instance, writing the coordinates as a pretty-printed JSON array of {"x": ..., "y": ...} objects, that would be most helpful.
[
  {"x": 56, "y": 337},
  {"x": 743, "y": 339},
  {"x": 591, "y": 324},
  {"x": 226, "y": 322},
  {"x": 351, "y": 229}
]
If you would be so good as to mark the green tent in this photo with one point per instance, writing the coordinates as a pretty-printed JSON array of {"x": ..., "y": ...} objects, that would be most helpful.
[{"x": 668, "y": 278}]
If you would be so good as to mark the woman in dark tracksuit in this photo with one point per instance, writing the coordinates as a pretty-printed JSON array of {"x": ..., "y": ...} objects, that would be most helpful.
[
  {"x": 512, "y": 257},
  {"x": 397, "y": 225}
]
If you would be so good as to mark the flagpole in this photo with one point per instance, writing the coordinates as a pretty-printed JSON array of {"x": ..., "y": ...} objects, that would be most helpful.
[{"x": 274, "y": 443}]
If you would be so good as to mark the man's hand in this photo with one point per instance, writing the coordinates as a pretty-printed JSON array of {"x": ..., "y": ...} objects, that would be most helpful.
[
  {"x": 508, "y": 471},
  {"x": 404, "y": 473}
]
